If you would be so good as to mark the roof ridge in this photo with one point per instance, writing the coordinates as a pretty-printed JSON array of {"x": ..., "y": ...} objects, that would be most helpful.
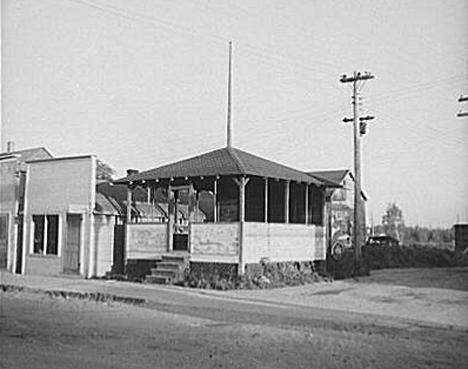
[
  {"x": 279, "y": 165},
  {"x": 232, "y": 152},
  {"x": 25, "y": 150}
]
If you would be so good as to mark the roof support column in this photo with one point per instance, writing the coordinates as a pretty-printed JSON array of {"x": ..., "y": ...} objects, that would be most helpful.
[
  {"x": 286, "y": 201},
  {"x": 128, "y": 220},
  {"x": 129, "y": 203},
  {"x": 170, "y": 218},
  {"x": 176, "y": 207},
  {"x": 242, "y": 183},
  {"x": 153, "y": 195},
  {"x": 215, "y": 200},
  {"x": 149, "y": 215},
  {"x": 192, "y": 202},
  {"x": 266, "y": 201},
  {"x": 306, "y": 208}
]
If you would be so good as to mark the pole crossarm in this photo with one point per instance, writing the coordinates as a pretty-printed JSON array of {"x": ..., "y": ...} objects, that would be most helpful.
[
  {"x": 461, "y": 113},
  {"x": 367, "y": 117},
  {"x": 357, "y": 76}
]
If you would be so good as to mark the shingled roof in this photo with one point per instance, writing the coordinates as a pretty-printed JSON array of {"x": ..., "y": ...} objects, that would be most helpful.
[
  {"x": 29, "y": 154},
  {"x": 335, "y": 177},
  {"x": 224, "y": 161}
]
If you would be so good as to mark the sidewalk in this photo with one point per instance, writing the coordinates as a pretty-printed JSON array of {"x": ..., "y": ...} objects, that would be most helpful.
[{"x": 426, "y": 305}]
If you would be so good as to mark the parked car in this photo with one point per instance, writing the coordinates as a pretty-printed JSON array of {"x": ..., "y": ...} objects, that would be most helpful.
[{"x": 382, "y": 240}]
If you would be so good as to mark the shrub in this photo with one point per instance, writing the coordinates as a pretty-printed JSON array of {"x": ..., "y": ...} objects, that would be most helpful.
[{"x": 257, "y": 276}]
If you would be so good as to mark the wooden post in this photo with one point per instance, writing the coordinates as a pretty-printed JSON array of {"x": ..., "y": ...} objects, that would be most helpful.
[
  {"x": 170, "y": 219},
  {"x": 329, "y": 222},
  {"x": 241, "y": 225},
  {"x": 266, "y": 200},
  {"x": 286, "y": 201},
  {"x": 215, "y": 200},
  {"x": 128, "y": 220},
  {"x": 191, "y": 214},
  {"x": 176, "y": 207},
  {"x": 191, "y": 204},
  {"x": 153, "y": 195},
  {"x": 129, "y": 203},
  {"x": 149, "y": 215},
  {"x": 241, "y": 183},
  {"x": 307, "y": 203},
  {"x": 242, "y": 199}
]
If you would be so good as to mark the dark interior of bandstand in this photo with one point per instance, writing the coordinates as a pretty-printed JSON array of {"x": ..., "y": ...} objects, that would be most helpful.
[{"x": 231, "y": 198}]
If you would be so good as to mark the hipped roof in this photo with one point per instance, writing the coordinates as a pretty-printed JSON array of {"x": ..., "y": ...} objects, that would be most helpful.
[{"x": 224, "y": 161}]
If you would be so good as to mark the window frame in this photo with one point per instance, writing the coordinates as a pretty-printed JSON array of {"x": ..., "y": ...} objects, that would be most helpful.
[{"x": 46, "y": 244}]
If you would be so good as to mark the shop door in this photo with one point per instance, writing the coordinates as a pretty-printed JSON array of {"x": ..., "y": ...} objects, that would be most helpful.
[
  {"x": 72, "y": 246},
  {"x": 3, "y": 241}
]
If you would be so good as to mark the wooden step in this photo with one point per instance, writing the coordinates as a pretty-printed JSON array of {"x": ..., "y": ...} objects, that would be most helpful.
[
  {"x": 156, "y": 279},
  {"x": 182, "y": 258},
  {"x": 164, "y": 272},
  {"x": 169, "y": 265},
  {"x": 170, "y": 269}
]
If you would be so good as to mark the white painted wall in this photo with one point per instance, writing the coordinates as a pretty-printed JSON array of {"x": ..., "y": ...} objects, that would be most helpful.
[
  {"x": 56, "y": 184},
  {"x": 146, "y": 241},
  {"x": 282, "y": 242},
  {"x": 60, "y": 186},
  {"x": 215, "y": 242},
  {"x": 9, "y": 182},
  {"x": 104, "y": 243}
]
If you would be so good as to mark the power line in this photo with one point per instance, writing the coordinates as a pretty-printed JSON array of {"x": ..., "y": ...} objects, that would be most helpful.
[{"x": 186, "y": 31}]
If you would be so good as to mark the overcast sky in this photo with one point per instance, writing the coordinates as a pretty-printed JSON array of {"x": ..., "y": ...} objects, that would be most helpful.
[{"x": 141, "y": 83}]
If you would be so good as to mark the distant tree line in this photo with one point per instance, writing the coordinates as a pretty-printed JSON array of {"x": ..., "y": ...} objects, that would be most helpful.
[{"x": 393, "y": 225}]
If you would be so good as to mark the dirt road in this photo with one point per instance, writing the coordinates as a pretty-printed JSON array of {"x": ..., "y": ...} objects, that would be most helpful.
[{"x": 38, "y": 331}]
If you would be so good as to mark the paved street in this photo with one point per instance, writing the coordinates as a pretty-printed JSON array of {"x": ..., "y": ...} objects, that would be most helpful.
[{"x": 185, "y": 328}]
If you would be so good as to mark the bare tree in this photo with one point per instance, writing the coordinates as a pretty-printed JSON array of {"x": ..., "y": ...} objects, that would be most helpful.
[
  {"x": 104, "y": 171},
  {"x": 392, "y": 221}
]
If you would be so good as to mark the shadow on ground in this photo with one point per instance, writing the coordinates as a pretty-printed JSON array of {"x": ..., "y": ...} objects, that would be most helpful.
[{"x": 447, "y": 278}]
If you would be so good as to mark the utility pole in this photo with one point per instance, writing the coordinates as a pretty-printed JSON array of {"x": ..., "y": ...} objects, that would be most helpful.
[
  {"x": 359, "y": 127},
  {"x": 461, "y": 113}
]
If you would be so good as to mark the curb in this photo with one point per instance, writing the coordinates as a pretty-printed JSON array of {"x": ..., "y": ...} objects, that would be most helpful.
[{"x": 91, "y": 296}]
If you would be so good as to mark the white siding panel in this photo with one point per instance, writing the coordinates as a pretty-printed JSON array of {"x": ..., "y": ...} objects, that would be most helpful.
[
  {"x": 215, "y": 242},
  {"x": 146, "y": 241},
  {"x": 104, "y": 239},
  {"x": 282, "y": 242}
]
